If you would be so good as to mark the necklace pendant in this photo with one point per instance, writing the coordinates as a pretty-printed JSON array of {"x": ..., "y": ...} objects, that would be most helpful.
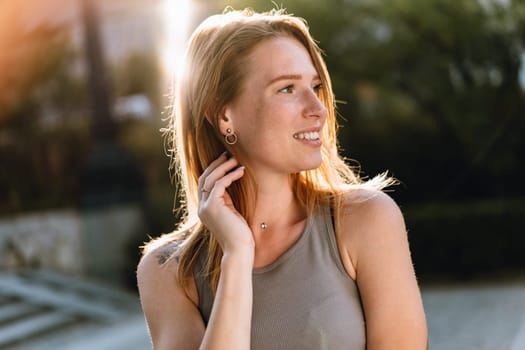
[{"x": 264, "y": 226}]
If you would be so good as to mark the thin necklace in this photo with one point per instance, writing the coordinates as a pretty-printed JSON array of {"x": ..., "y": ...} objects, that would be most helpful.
[{"x": 264, "y": 225}]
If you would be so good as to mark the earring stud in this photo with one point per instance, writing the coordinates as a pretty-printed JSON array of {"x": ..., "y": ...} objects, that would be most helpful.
[{"x": 231, "y": 137}]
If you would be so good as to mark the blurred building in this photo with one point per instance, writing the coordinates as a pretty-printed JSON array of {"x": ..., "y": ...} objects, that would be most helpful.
[
  {"x": 89, "y": 240},
  {"x": 67, "y": 240},
  {"x": 126, "y": 25},
  {"x": 54, "y": 263}
]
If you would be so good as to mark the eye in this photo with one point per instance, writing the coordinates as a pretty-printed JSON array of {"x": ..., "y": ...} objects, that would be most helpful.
[
  {"x": 317, "y": 88},
  {"x": 288, "y": 89}
]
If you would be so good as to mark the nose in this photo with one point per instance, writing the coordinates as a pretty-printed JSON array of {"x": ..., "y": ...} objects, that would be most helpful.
[{"x": 313, "y": 106}]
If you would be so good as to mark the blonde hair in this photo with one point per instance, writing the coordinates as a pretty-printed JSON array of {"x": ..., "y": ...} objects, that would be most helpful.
[{"x": 215, "y": 64}]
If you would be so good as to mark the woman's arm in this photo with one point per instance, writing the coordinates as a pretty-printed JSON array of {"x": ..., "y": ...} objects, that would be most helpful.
[
  {"x": 173, "y": 319},
  {"x": 373, "y": 234},
  {"x": 172, "y": 314},
  {"x": 229, "y": 326}
]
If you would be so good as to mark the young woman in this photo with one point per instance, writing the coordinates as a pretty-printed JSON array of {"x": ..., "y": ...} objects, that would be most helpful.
[{"x": 282, "y": 245}]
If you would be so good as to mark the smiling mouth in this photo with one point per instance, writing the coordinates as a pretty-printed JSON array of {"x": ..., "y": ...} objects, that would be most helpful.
[{"x": 312, "y": 135}]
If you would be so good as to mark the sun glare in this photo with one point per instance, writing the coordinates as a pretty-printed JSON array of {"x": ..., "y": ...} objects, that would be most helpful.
[{"x": 177, "y": 17}]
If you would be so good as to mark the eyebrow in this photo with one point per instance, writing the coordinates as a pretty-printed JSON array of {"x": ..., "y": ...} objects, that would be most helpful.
[
  {"x": 286, "y": 77},
  {"x": 289, "y": 77}
]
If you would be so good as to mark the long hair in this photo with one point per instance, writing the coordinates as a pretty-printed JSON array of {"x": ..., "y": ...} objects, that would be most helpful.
[{"x": 214, "y": 70}]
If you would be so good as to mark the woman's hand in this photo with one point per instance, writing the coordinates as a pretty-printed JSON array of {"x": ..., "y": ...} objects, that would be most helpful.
[
  {"x": 229, "y": 325},
  {"x": 216, "y": 209}
]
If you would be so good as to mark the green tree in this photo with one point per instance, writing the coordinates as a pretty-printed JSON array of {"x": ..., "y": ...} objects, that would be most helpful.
[{"x": 430, "y": 89}]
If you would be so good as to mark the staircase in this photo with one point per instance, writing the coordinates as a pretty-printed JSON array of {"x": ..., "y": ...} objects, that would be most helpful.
[{"x": 42, "y": 310}]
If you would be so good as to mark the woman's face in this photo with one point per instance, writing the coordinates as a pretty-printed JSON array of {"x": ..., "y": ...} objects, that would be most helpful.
[{"x": 277, "y": 115}]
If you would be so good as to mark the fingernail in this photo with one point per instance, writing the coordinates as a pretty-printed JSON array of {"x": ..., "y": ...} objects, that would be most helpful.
[
  {"x": 241, "y": 167},
  {"x": 224, "y": 154}
]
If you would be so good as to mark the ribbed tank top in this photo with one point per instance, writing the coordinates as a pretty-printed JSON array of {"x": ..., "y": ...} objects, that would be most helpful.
[{"x": 304, "y": 299}]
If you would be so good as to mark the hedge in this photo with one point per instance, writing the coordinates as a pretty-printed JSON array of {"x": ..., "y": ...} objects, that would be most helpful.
[{"x": 466, "y": 240}]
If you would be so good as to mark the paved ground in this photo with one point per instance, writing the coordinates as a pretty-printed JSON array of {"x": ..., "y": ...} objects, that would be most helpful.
[{"x": 476, "y": 316}]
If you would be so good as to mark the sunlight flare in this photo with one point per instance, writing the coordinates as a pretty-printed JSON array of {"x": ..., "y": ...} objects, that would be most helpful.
[{"x": 177, "y": 18}]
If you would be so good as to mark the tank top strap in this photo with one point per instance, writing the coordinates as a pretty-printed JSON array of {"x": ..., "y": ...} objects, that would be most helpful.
[
  {"x": 203, "y": 288},
  {"x": 327, "y": 222}
]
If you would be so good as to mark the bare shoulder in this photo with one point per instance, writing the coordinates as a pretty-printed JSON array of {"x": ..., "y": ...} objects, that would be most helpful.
[
  {"x": 370, "y": 209},
  {"x": 369, "y": 218},
  {"x": 157, "y": 275},
  {"x": 373, "y": 234},
  {"x": 170, "y": 309},
  {"x": 157, "y": 272},
  {"x": 157, "y": 264},
  {"x": 161, "y": 254}
]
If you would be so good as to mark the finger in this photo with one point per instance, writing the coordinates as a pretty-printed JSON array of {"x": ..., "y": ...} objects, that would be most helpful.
[
  {"x": 224, "y": 182},
  {"x": 220, "y": 171},
  {"x": 221, "y": 159},
  {"x": 204, "y": 193}
]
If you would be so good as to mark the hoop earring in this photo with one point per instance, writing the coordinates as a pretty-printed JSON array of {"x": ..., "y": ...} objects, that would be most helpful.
[{"x": 231, "y": 137}]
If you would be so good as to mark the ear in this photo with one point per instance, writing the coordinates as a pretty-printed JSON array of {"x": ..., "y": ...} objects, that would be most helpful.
[{"x": 225, "y": 121}]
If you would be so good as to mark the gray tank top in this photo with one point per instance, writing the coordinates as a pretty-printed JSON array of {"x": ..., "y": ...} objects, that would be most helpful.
[{"x": 303, "y": 300}]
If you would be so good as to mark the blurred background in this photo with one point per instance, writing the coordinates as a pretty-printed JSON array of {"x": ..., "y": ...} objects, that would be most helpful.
[{"x": 432, "y": 91}]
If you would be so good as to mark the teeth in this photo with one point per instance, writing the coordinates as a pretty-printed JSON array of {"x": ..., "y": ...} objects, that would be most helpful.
[{"x": 314, "y": 135}]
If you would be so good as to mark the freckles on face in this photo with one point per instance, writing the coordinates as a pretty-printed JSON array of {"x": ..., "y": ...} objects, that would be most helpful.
[{"x": 278, "y": 101}]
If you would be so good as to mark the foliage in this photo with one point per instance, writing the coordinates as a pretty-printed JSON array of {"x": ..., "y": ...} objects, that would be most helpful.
[
  {"x": 139, "y": 73},
  {"x": 41, "y": 113},
  {"x": 466, "y": 239},
  {"x": 28, "y": 56},
  {"x": 428, "y": 90},
  {"x": 431, "y": 90},
  {"x": 46, "y": 140}
]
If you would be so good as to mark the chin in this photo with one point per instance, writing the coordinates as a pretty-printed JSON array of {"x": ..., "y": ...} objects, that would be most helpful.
[{"x": 312, "y": 165}]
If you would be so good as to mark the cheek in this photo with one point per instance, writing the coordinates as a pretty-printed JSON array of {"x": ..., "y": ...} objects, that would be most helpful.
[
  {"x": 269, "y": 123},
  {"x": 252, "y": 122},
  {"x": 278, "y": 114},
  {"x": 255, "y": 118},
  {"x": 265, "y": 120}
]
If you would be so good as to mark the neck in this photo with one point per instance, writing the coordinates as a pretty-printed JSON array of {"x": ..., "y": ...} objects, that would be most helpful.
[{"x": 276, "y": 208}]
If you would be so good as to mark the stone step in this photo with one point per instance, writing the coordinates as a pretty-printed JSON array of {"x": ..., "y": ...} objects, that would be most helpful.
[
  {"x": 30, "y": 327},
  {"x": 43, "y": 310},
  {"x": 89, "y": 289},
  {"x": 38, "y": 294},
  {"x": 16, "y": 310}
]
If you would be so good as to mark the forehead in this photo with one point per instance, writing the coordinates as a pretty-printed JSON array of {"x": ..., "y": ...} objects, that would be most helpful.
[{"x": 278, "y": 56}]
